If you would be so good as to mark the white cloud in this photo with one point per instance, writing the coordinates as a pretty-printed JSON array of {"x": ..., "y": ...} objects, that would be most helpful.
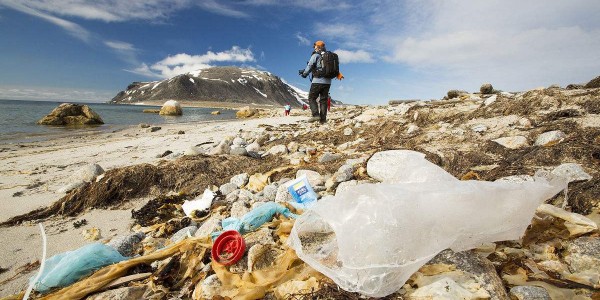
[
  {"x": 220, "y": 9},
  {"x": 517, "y": 45},
  {"x": 337, "y": 30},
  {"x": 119, "y": 11},
  {"x": 120, "y": 46},
  {"x": 359, "y": 56},
  {"x": 72, "y": 28},
  {"x": 302, "y": 40},
  {"x": 54, "y": 94},
  {"x": 107, "y": 10},
  {"x": 183, "y": 63},
  {"x": 305, "y": 4},
  {"x": 126, "y": 51}
]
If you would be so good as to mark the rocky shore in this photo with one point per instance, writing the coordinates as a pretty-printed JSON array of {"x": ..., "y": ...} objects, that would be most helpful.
[{"x": 126, "y": 189}]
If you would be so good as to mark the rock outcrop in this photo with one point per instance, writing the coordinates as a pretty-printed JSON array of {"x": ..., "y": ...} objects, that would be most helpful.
[
  {"x": 171, "y": 108},
  {"x": 71, "y": 114},
  {"x": 594, "y": 83}
]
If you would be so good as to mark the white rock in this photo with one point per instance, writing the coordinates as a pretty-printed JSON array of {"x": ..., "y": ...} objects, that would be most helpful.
[
  {"x": 183, "y": 233},
  {"x": 524, "y": 292},
  {"x": 314, "y": 178},
  {"x": 261, "y": 236},
  {"x": 550, "y": 138},
  {"x": 87, "y": 173},
  {"x": 327, "y": 157},
  {"x": 238, "y": 141},
  {"x": 193, "y": 150},
  {"x": 277, "y": 150},
  {"x": 348, "y": 131},
  {"x": 446, "y": 288},
  {"x": 571, "y": 171},
  {"x": 211, "y": 286},
  {"x": 172, "y": 108},
  {"x": 124, "y": 293},
  {"x": 221, "y": 148},
  {"x": 283, "y": 195},
  {"x": 237, "y": 150},
  {"x": 240, "y": 179},
  {"x": 513, "y": 142},
  {"x": 209, "y": 226},
  {"x": 344, "y": 173},
  {"x": 70, "y": 186},
  {"x": 270, "y": 191},
  {"x": 239, "y": 209},
  {"x": 524, "y": 122},
  {"x": 228, "y": 188},
  {"x": 254, "y": 147},
  {"x": 293, "y": 147},
  {"x": 479, "y": 128},
  {"x": 490, "y": 100},
  {"x": 412, "y": 128}
]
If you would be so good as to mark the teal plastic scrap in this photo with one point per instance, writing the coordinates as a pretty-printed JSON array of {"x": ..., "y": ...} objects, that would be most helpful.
[
  {"x": 254, "y": 219},
  {"x": 66, "y": 268}
]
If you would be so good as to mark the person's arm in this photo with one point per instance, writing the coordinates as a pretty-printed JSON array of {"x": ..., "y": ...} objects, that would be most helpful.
[{"x": 311, "y": 63}]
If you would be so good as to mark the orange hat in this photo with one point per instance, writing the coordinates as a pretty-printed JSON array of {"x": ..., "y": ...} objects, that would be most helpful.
[{"x": 320, "y": 44}]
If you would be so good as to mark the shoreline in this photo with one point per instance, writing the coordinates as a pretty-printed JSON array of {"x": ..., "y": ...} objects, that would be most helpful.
[{"x": 32, "y": 173}]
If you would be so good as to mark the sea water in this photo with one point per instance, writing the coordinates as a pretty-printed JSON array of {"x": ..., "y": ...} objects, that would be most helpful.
[{"x": 18, "y": 119}]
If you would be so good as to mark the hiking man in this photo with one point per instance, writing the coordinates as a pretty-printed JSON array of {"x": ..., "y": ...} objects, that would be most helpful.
[
  {"x": 322, "y": 73},
  {"x": 287, "y": 109}
]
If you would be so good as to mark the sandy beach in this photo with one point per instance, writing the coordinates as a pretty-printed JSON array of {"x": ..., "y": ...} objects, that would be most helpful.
[
  {"x": 32, "y": 173},
  {"x": 501, "y": 137}
]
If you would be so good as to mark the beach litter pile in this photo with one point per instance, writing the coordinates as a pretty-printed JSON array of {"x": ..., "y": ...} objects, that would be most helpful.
[{"x": 416, "y": 201}]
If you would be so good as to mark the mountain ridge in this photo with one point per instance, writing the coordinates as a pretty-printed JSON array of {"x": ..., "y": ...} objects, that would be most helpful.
[{"x": 216, "y": 84}]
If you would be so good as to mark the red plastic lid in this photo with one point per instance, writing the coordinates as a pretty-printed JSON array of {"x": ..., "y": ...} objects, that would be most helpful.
[{"x": 228, "y": 248}]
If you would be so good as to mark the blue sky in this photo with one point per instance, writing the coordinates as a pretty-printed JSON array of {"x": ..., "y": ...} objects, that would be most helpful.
[{"x": 401, "y": 49}]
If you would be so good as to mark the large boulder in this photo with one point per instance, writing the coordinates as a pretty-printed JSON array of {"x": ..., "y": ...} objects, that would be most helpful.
[
  {"x": 246, "y": 112},
  {"x": 486, "y": 88},
  {"x": 171, "y": 108},
  {"x": 594, "y": 83},
  {"x": 71, "y": 114},
  {"x": 455, "y": 93}
]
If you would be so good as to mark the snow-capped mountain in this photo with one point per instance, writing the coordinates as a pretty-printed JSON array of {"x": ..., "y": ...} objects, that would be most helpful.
[{"x": 217, "y": 84}]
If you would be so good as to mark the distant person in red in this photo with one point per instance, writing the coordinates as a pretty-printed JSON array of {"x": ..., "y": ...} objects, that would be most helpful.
[
  {"x": 304, "y": 106},
  {"x": 328, "y": 102},
  {"x": 287, "y": 109}
]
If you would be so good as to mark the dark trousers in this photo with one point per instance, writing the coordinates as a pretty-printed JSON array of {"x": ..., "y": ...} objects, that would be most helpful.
[{"x": 320, "y": 90}]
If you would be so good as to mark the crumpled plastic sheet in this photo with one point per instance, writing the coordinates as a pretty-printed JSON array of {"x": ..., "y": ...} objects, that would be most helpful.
[
  {"x": 254, "y": 219},
  {"x": 371, "y": 238},
  {"x": 66, "y": 268}
]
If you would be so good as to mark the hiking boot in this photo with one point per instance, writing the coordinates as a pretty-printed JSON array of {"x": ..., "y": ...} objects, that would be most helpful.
[
  {"x": 313, "y": 119},
  {"x": 322, "y": 121}
]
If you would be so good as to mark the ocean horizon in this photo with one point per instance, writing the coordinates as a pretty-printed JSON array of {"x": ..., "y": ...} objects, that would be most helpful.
[{"x": 18, "y": 119}]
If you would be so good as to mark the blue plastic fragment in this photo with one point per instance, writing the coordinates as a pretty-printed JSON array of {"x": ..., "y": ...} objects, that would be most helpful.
[
  {"x": 254, "y": 219},
  {"x": 66, "y": 268}
]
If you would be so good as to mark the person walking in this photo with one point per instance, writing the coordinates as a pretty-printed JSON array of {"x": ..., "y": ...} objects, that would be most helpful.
[
  {"x": 320, "y": 85},
  {"x": 287, "y": 109}
]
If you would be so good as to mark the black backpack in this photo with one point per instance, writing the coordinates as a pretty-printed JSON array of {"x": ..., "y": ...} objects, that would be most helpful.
[{"x": 331, "y": 66}]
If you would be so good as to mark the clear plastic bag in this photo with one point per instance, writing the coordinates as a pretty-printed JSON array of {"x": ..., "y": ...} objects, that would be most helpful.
[{"x": 371, "y": 238}]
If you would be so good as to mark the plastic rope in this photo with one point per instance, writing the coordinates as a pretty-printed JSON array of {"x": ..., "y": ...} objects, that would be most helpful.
[{"x": 37, "y": 277}]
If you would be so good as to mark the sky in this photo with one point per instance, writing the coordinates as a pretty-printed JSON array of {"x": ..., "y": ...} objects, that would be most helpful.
[{"x": 88, "y": 51}]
